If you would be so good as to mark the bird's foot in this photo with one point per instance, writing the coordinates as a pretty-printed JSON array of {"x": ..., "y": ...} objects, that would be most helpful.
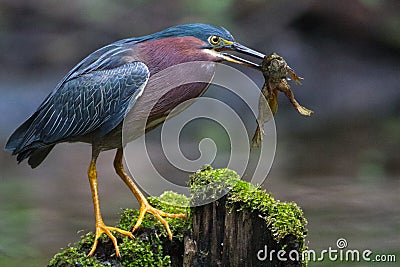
[
  {"x": 101, "y": 228},
  {"x": 147, "y": 208}
]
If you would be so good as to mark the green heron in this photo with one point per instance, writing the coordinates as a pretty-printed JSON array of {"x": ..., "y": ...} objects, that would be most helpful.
[{"x": 89, "y": 104}]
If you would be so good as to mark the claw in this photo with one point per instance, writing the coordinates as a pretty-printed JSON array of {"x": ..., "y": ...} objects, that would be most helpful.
[
  {"x": 101, "y": 228},
  {"x": 159, "y": 214}
]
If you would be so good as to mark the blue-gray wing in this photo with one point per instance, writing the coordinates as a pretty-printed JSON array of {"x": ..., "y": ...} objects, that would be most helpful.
[{"x": 97, "y": 100}]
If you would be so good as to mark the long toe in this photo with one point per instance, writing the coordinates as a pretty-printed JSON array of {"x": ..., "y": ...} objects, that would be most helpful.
[
  {"x": 101, "y": 228},
  {"x": 159, "y": 214}
]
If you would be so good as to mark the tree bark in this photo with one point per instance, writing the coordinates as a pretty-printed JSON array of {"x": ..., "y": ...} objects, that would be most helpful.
[{"x": 224, "y": 236}]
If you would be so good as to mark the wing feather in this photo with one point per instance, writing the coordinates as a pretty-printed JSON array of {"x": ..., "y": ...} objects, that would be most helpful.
[
  {"x": 94, "y": 95},
  {"x": 94, "y": 101}
]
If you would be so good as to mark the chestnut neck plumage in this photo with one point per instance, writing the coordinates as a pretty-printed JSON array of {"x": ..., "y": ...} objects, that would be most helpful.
[{"x": 163, "y": 53}]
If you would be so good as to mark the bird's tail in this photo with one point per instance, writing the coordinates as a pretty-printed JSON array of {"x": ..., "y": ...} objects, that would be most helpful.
[
  {"x": 19, "y": 145},
  {"x": 36, "y": 155},
  {"x": 16, "y": 140}
]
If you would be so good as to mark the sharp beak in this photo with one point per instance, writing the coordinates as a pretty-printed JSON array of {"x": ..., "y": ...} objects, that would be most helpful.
[{"x": 243, "y": 50}]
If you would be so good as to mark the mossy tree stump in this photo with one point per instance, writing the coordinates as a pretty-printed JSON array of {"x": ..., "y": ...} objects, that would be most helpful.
[
  {"x": 235, "y": 230},
  {"x": 241, "y": 227}
]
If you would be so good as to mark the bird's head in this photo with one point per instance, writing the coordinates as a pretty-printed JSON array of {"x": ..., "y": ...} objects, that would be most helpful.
[{"x": 211, "y": 41}]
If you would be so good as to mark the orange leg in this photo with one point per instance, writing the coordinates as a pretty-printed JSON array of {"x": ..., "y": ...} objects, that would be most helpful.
[
  {"x": 100, "y": 226},
  {"x": 144, "y": 204}
]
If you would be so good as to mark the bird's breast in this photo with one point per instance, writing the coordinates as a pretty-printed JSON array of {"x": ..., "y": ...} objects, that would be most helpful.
[{"x": 169, "y": 90}]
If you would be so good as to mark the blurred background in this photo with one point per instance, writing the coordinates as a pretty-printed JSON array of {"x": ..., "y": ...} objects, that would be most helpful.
[{"x": 342, "y": 165}]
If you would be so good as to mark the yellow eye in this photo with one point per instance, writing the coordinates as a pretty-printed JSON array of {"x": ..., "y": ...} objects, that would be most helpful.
[{"x": 214, "y": 40}]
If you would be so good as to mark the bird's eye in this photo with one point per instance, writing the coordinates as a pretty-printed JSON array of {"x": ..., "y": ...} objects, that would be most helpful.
[{"x": 214, "y": 40}]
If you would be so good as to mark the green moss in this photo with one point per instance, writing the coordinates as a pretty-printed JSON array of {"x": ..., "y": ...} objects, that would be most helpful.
[
  {"x": 282, "y": 218},
  {"x": 210, "y": 184},
  {"x": 71, "y": 256},
  {"x": 146, "y": 249}
]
